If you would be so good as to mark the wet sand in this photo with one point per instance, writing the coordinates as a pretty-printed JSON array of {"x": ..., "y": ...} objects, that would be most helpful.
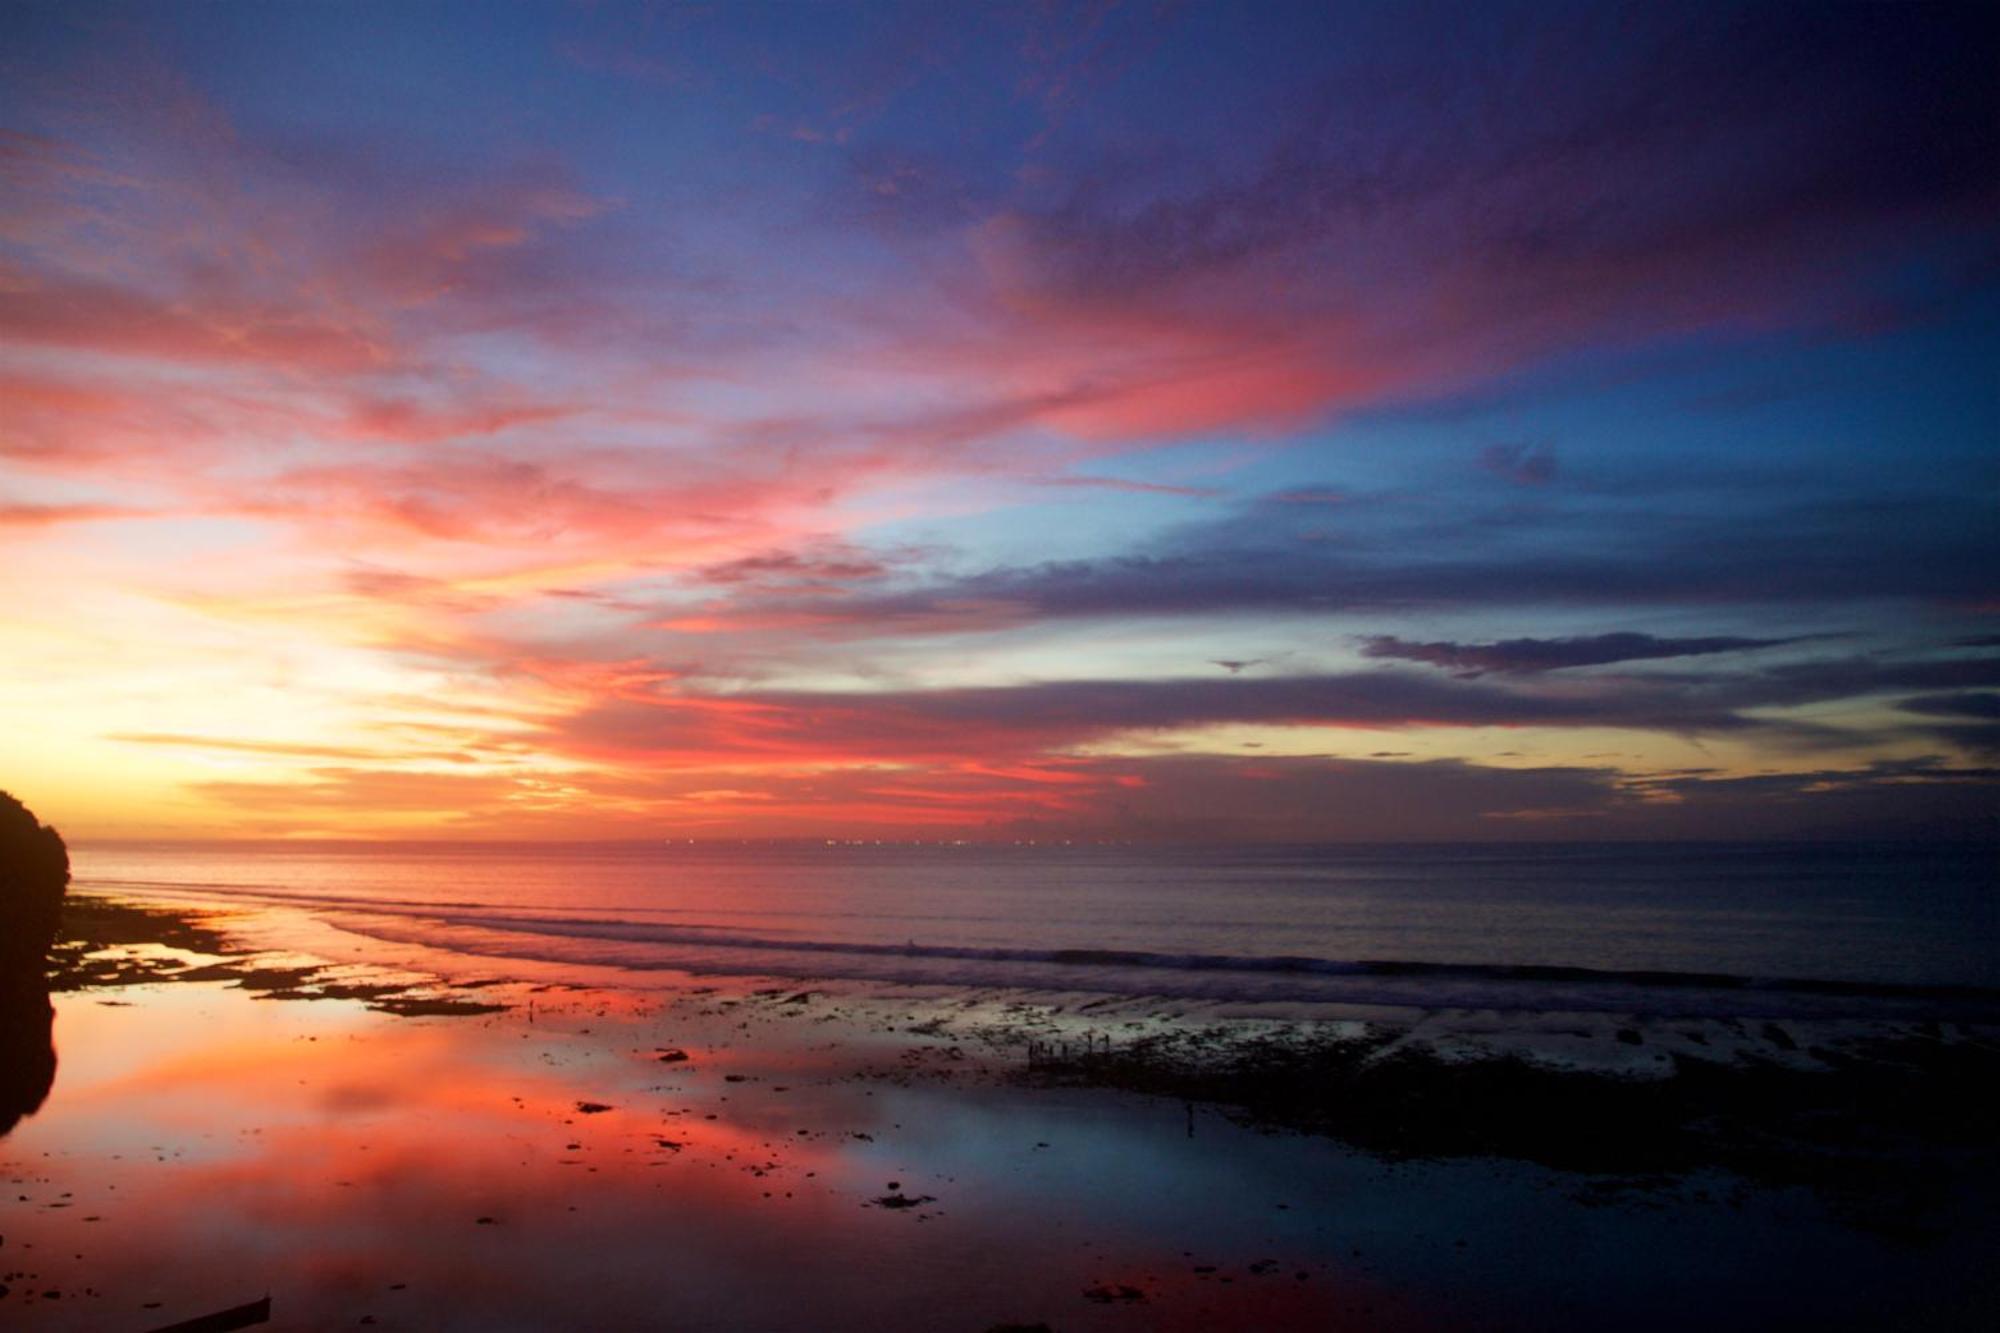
[{"x": 374, "y": 1141}]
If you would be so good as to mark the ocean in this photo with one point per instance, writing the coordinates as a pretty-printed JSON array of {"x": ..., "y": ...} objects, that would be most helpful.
[{"x": 1698, "y": 929}]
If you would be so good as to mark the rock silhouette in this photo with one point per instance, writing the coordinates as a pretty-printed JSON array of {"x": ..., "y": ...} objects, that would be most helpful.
[
  {"x": 34, "y": 871},
  {"x": 27, "y": 1051}
]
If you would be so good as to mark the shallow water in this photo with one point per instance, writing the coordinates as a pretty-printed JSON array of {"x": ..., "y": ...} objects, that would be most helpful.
[
  {"x": 1704, "y": 928},
  {"x": 203, "y": 1148}
]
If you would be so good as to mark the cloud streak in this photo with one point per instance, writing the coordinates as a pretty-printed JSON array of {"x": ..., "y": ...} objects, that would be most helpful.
[
  {"x": 890, "y": 432},
  {"x": 1527, "y": 656}
]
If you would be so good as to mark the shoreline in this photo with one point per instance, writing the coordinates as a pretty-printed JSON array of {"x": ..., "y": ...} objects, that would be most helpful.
[
  {"x": 477, "y": 1151},
  {"x": 108, "y": 942},
  {"x": 1849, "y": 1106},
  {"x": 634, "y": 941}
]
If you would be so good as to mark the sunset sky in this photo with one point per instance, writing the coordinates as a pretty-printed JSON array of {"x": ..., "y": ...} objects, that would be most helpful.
[{"x": 968, "y": 420}]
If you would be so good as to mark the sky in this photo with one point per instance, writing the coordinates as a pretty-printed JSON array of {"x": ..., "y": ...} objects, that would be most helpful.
[{"x": 1132, "y": 420}]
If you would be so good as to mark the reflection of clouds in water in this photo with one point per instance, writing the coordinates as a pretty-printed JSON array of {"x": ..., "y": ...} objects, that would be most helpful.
[
  {"x": 330, "y": 1153},
  {"x": 206, "y": 1146}
]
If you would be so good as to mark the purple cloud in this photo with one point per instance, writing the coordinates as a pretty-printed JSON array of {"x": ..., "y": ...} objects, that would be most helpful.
[{"x": 1524, "y": 656}]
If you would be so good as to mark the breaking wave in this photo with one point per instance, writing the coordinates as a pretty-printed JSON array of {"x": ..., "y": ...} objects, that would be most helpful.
[{"x": 705, "y": 948}]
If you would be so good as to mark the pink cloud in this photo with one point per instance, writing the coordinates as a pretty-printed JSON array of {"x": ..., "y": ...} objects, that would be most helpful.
[{"x": 31, "y": 516}]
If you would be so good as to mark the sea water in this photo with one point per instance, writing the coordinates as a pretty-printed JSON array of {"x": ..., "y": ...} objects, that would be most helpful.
[{"x": 1669, "y": 928}]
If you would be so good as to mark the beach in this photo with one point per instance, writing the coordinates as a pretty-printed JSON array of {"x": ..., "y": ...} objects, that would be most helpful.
[{"x": 388, "y": 1138}]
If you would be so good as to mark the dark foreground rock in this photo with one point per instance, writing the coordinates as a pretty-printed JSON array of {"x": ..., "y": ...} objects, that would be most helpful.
[
  {"x": 34, "y": 871},
  {"x": 27, "y": 1051}
]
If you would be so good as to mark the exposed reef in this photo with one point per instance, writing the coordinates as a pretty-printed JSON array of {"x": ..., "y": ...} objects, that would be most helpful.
[{"x": 107, "y": 943}]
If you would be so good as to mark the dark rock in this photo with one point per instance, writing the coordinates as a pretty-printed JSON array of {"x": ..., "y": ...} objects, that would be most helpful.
[
  {"x": 225, "y": 1321},
  {"x": 34, "y": 871},
  {"x": 900, "y": 1201},
  {"x": 27, "y": 1048}
]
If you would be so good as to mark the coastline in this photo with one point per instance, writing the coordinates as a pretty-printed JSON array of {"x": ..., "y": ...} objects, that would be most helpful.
[
  {"x": 109, "y": 942},
  {"x": 1879, "y": 1135}
]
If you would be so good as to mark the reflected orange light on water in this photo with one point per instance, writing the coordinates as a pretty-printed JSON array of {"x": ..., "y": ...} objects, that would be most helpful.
[{"x": 503, "y": 1171}]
